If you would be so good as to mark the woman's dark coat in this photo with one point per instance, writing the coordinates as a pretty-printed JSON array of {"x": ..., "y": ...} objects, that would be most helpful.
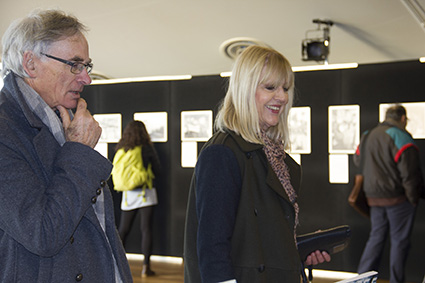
[{"x": 261, "y": 236}]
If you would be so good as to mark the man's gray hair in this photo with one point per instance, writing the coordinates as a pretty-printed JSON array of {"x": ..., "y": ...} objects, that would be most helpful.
[
  {"x": 395, "y": 112},
  {"x": 35, "y": 33}
]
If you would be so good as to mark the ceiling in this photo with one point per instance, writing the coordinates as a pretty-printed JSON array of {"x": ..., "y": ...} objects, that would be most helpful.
[{"x": 140, "y": 38}]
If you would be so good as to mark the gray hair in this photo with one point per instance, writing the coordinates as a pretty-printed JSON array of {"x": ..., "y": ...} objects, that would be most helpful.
[
  {"x": 35, "y": 33},
  {"x": 395, "y": 112}
]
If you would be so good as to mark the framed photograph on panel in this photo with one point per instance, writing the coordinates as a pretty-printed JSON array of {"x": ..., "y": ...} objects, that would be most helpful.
[
  {"x": 196, "y": 125},
  {"x": 156, "y": 124},
  {"x": 102, "y": 148},
  {"x": 299, "y": 122},
  {"x": 415, "y": 114},
  {"x": 189, "y": 154},
  {"x": 344, "y": 128},
  {"x": 111, "y": 125},
  {"x": 338, "y": 169}
]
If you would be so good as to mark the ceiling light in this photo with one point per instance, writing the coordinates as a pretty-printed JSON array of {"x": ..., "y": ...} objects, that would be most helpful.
[
  {"x": 225, "y": 74},
  {"x": 313, "y": 68},
  {"x": 325, "y": 67},
  {"x": 142, "y": 79},
  {"x": 233, "y": 47},
  {"x": 315, "y": 47}
]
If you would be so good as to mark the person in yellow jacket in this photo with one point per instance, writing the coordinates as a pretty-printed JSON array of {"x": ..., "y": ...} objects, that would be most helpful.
[{"x": 142, "y": 199}]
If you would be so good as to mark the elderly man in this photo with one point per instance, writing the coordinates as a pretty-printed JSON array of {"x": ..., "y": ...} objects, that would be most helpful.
[
  {"x": 393, "y": 184},
  {"x": 56, "y": 218}
]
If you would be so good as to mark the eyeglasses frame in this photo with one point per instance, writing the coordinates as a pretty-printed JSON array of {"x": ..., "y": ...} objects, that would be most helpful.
[{"x": 88, "y": 66}]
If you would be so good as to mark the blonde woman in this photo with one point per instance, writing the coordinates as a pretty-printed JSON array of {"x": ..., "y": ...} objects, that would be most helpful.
[{"x": 242, "y": 211}]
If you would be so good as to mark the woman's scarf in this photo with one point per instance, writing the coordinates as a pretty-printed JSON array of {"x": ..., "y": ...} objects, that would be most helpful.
[{"x": 275, "y": 153}]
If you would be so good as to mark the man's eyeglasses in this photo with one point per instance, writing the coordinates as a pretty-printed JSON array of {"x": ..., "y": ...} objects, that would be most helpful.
[{"x": 76, "y": 67}]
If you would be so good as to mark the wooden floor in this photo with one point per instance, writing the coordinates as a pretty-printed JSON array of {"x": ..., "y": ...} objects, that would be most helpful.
[
  {"x": 170, "y": 270},
  {"x": 167, "y": 270}
]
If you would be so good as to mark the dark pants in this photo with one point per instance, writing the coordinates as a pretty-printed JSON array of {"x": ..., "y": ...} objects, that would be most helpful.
[
  {"x": 127, "y": 219},
  {"x": 398, "y": 221}
]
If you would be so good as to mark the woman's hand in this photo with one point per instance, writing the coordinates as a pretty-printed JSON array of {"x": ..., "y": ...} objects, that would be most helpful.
[{"x": 317, "y": 257}]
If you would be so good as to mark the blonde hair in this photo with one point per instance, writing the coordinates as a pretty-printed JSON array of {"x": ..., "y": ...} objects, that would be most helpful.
[{"x": 238, "y": 111}]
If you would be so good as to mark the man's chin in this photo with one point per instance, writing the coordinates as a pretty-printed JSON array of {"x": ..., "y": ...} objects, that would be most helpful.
[{"x": 71, "y": 105}]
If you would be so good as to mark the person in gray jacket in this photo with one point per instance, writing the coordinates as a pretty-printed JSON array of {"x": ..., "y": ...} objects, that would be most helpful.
[
  {"x": 56, "y": 211},
  {"x": 242, "y": 210},
  {"x": 392, "y": 183}
]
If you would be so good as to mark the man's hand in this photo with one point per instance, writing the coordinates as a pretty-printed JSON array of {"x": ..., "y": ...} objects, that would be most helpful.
[
  {"x": 83, "y": 128},
  {"x": 317, "y": 257}
]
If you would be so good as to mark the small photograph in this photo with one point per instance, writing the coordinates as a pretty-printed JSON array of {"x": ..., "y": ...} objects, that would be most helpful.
[
  {"x": 156, "y": 124},
  {"x": 338, "y": 169},
  {"x": 189, "y": 154},
  {"x": 111, "y": 127},
  {"x": 415, "y": 114},
  {"x": 102, "y": 148},
  {"x": 196, "y": 125},
  {"x": 344, "y": 128},
  {"x": 299, "y": 121}
]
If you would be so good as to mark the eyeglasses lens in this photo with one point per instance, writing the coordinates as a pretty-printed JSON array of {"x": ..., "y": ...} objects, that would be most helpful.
[{"x": 79, "y": 67}]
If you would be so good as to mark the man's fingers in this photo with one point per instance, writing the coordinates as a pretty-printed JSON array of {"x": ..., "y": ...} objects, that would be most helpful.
[
  {"x": 81, "y": 106},
  {"x": 66, "y": 119},
  {"x": 83, "y": 128}
]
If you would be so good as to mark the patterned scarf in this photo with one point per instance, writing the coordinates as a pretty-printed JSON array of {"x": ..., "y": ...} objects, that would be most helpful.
[{"x": 275, "y": 153}]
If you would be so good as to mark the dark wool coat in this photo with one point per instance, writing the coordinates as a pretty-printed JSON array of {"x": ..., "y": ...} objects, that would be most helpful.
[
  {"x": 240, "y": 222},
  {"x": 49, "y": 231}
]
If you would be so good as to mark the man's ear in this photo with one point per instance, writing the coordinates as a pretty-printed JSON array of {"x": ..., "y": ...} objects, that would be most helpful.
[
  {"x": 29, "y": 64},
  {"x": 403, "y": 121}
]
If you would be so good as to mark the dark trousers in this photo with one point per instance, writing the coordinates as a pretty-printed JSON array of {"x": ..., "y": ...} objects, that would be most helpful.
[
  {"x": 397, "y": 222},
  {"x": 127, "y": 219}
]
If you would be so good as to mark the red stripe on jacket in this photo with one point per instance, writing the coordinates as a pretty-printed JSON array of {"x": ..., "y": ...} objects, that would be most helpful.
[{"x": 403, "y": 149}]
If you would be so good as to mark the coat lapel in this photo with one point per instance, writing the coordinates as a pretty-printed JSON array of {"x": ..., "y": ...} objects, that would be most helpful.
[{"x": 272, "y": 180}]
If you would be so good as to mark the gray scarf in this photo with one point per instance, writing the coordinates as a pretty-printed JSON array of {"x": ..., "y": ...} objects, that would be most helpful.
[{"x": 43, "y": 111}]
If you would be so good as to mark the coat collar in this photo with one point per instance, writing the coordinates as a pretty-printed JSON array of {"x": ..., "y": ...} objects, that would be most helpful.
[
  {"x": 11, "y": 90},
  {"x": 272, "y": 180},
  {"x": 243, "y": 144}
]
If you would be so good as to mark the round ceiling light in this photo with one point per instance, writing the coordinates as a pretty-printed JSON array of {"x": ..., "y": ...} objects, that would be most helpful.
[{"x": 234, "y": 46}]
